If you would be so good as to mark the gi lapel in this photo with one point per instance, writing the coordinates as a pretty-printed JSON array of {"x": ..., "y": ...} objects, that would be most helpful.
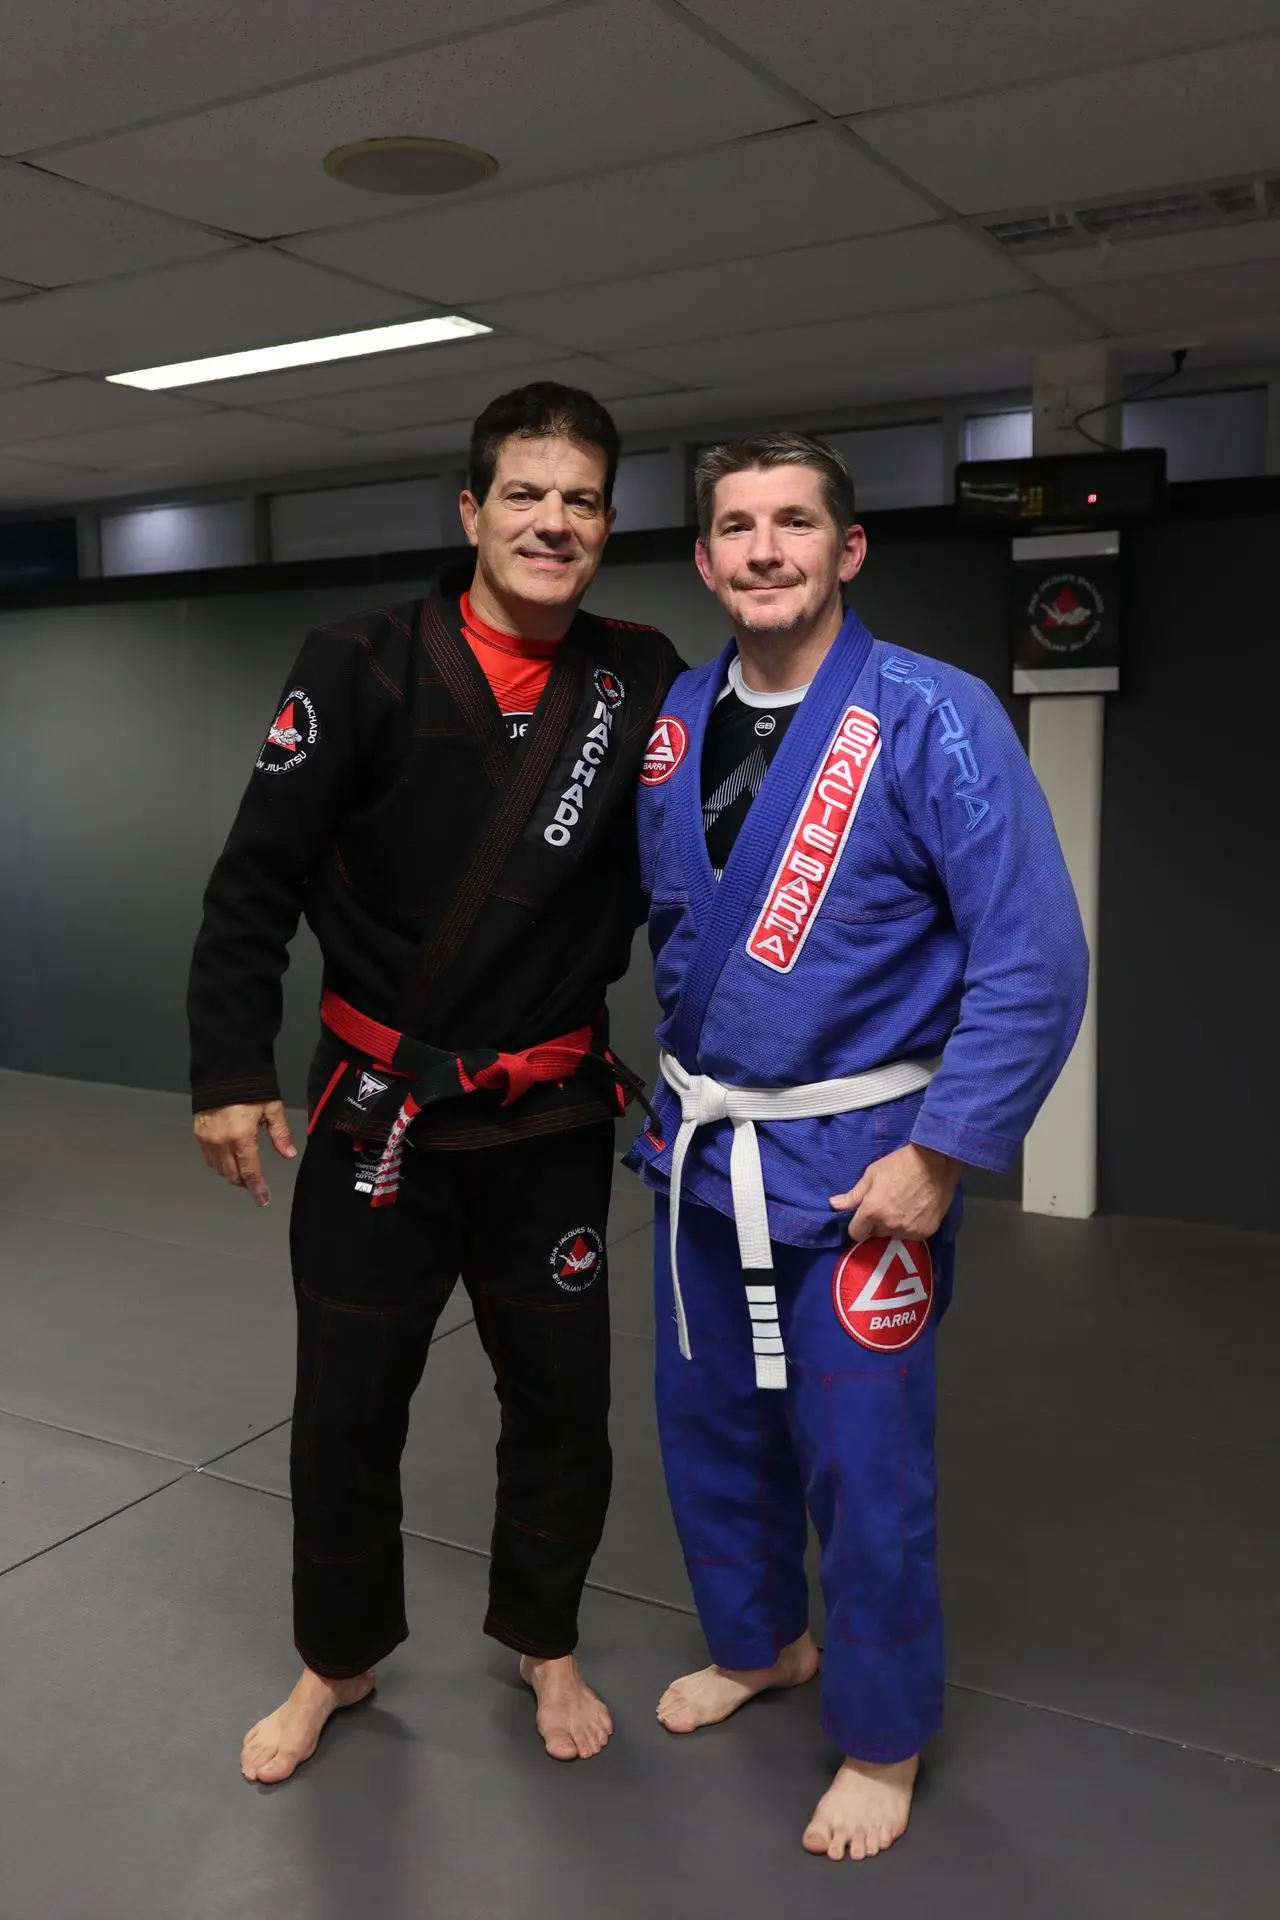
[
  {"x": 518, "y": 779},
  {"x": 725, "y": 909}
]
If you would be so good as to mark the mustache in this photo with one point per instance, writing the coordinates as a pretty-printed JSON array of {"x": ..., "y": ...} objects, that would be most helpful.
[{"x": 780, "y": 580}]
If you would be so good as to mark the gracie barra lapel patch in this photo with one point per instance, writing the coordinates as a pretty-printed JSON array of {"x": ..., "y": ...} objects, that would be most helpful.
[{"x": 808, "y": 866}]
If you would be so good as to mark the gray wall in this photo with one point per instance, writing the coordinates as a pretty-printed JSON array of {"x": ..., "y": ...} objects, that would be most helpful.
[{"x": 127, "y": 733}]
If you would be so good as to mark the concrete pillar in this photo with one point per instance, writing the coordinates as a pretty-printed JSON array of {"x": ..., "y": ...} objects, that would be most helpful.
[{"x": 1060, "y": 1160}]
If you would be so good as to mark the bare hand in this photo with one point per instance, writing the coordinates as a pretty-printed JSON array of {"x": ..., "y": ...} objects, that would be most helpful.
[
  {"x": 228, "y": 1138},
  {"x": 904, "y": 1196}
]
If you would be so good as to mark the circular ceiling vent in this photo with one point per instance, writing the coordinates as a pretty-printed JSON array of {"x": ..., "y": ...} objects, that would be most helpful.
[{"x": 409, "y": 165}]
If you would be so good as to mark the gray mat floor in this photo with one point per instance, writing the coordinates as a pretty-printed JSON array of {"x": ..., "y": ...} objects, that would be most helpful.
[{"x": 1110, "y": 1439}]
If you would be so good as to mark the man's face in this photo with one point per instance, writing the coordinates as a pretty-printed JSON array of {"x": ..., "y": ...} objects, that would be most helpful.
[
  {"x": 540, "y": 533},
  {"x": 775, "y": 558}
]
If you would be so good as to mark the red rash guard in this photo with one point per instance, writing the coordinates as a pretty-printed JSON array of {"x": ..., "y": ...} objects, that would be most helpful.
[{"x": 517, "y": 670}]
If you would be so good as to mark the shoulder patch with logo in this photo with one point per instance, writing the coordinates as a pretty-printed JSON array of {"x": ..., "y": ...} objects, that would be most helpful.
[
  {"x": 668, "y": 745},
  {"x": 577, "y": 1259},
  {"x": 292, "y": 736},
  {"x": 883, "y": 1292}
]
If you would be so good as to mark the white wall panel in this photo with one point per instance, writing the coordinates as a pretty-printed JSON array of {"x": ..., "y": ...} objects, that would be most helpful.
[
  {"x": 389, "y": 517},
  {"x": 172, "y": 539}
]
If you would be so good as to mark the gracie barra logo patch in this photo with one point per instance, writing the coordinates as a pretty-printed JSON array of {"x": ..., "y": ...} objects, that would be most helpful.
[
  {"x": 292, "y": 735},
  {"x": 668, "y": 745},
  {"x": 808, "y": 866},
  {"x": 610, "y": 688},
  {"x": 883, "y": 1292},
  {"x": 577, "y": 1259}
]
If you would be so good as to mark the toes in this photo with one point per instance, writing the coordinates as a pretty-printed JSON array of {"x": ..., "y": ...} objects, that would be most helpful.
[{"x": 815, "y": 1840}]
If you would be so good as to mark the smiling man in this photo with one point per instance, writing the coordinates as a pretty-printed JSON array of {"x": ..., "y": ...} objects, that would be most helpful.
[
  {"x": 446, "y": 792},
  {"x": 871, "y": 970}
]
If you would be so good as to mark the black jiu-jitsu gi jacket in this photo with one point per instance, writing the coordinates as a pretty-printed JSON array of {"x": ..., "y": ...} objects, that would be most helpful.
[{"x": 464, "y": 889}]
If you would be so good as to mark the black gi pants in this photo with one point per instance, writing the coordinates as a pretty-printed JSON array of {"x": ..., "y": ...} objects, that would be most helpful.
[{"x": 524, "y": 1225}]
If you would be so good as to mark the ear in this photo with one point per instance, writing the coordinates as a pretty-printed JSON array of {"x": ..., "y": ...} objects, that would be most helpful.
[
  {"x": 469, "y": 509},
  {"x": 702, "y": 560},
  {"x": 854, "y": 552},
  {"x": 609, "y": 519}
]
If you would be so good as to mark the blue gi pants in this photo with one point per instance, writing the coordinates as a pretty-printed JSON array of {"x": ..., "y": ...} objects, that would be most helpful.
[{"x": 851, "y": 1439}]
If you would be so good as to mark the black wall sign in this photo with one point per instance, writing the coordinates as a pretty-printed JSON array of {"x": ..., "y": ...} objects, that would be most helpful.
[{"x": 1065, "y": 624}]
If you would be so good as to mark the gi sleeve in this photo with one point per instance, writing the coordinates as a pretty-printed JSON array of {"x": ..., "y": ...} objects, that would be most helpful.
[
  {"x": 973, "y": 800},
  {"x": 281, "y": 834}
]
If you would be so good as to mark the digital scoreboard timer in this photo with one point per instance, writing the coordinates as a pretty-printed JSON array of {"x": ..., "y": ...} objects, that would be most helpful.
[{"x": 1062, "y": 491}]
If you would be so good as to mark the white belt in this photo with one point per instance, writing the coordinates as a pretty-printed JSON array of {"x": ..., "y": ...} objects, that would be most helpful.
[{"x": 703, "y": 1101}]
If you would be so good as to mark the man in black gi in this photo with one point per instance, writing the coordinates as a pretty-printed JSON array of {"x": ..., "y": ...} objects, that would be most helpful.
[{"x": 446, "y": 794}]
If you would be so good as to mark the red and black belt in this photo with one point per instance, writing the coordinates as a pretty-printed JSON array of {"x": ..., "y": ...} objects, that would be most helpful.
[{"x": 435, "y": 1074}]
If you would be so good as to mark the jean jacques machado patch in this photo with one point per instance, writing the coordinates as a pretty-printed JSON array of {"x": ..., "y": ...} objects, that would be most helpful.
[
  {"x": 590, "y": 756},
  {"x": 292, "y": 735}
]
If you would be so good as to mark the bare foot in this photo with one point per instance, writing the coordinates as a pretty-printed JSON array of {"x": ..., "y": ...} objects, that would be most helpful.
[
  {"x": 572, "y": 1719},
  {"x": 278, "y": 1745},
  {"x": 865, "y": 1809},
  {"x": 701, "y": 1699}
]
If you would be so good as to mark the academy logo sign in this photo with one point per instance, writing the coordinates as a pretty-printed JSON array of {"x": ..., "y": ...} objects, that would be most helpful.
[
  {"x": 883, "y": 1292},
  {"x": 1066, "y": 613},
  {"x": 668, "y": 745},
  {"x": 813, "y": 853},
  {"x": 577, "y": 1259},
  {"x": 291, "y": 736}
]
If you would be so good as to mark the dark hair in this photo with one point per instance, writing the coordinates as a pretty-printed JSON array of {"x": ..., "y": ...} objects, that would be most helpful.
[
  {"x": 536, "y": 413},
  {"x": 779, "y": 449}
]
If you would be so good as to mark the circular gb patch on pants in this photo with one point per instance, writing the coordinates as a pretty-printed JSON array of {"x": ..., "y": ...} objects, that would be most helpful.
[
  {"x": 577, "y": 1259},
  {"x": 883, "y": 1293}
]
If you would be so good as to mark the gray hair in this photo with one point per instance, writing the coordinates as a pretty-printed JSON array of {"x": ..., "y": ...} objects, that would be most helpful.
[{"x": 778, "y": 449}]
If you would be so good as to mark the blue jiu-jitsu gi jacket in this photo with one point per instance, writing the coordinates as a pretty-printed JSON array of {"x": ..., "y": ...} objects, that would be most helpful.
[{"x": 897, "y": 893}]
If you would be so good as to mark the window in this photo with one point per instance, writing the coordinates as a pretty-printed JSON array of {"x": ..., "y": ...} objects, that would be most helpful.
[
  {"x": 648, "y": 491},
  {"x": 391, "y": 516},
  {"x": 1208, "y": 436},
  {"x": 893, "y": 466},
  {"x": 171, "y": 539}
]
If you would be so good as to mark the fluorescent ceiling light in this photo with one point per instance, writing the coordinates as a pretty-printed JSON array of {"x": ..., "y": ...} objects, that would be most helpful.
[{"x": 303, "y": 353}]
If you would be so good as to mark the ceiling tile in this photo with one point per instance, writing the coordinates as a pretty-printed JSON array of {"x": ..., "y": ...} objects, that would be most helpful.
[
  {"x": 1019, "y": 321},
  {"x": 11, "y": 376},
  {"x": 1167, "y": 253},
  {"x": 788, "y": 189},
  {"x": 87, "y": 68},
  {"x": 882, "y": 274},
  {"x": 640, "y": 85},
  {"x": 250, "y": 298},
  {"x": 53, "y": 232},
  {"x": 199, "y": 446},
  {"x": 73, "y": 406},
  {"x": 451, "y": 357},
  {"x": 31, "y": 477},
  {"x": 850, "y": 59},
  {"x": 1169, "y": 122},
  {"x": 1170, "y": 305},
  {"x": 384, "y": 409}
]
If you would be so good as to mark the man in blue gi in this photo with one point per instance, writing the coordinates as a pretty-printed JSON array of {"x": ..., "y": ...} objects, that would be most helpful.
[{"x": 871, "y": 970}]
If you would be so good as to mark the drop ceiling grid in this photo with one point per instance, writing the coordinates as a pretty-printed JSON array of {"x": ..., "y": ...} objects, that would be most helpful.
[
  {"x": 1195, "y": 117},
  {"x": 789, "y": 189},
  {"x": 240, "y": 299},
  {"x": 642, "y": 86},
  {"x": 87, "y": 69},
  {"x": 887, "y": 273},
  {"x": 863, "y": 59},
  {"x": 55, "y": 231},
  {"x": 652, "y": 189}
]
